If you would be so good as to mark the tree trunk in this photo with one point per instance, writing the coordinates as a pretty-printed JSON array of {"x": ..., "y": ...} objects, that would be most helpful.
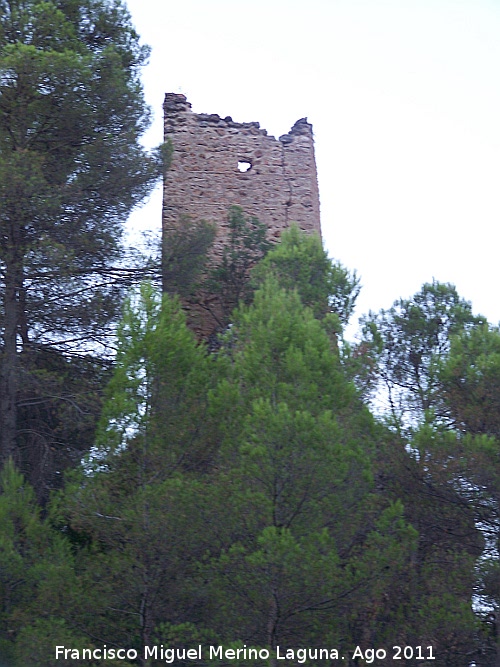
[
  {"x": 272, "y": 621},
  {"x": 8, "y": 374},
  {"x": 497, "y": 628},
  {"x": 146, "y": 622}
]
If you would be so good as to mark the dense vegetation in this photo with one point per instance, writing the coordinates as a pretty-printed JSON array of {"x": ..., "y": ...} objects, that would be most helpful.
[
  {"x": 71, "y": 169},
  {"x": 280, "y": 488}
]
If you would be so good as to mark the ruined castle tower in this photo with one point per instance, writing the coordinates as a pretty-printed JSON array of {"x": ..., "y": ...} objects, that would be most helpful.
[{"x": 218, "y": 163}]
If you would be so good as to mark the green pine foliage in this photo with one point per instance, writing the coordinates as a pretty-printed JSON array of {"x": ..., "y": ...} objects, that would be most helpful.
[
  {"x": 37, "y": 578},
  {"x": 249, "y": 497},
  {"x": 407, "y": 341},
  {"x": 300, "y": 262},
  {"x": 71, "y": 169},
  {"x": 292, "y": 566},
  {"x": 240, "y": 496}
]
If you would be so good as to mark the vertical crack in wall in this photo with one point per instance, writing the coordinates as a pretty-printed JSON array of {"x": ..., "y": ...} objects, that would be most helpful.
[{"x": 288, "y": 203}]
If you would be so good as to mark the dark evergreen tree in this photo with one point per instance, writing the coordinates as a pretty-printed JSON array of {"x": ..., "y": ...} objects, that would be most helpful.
[
  {"x": 291, "y": 565},
  {"x": 71, "y": 169},
  {"x": 135, "y": 500},
  {"x": 407, "y": 341},
  {"x": 470, "y": 382}
]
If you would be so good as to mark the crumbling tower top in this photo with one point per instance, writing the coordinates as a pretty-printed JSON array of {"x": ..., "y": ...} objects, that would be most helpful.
[{"x": 218, "y": 163}]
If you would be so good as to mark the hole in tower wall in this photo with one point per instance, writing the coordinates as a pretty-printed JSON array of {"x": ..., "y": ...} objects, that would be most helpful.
[{"x": 244, "y": 166}]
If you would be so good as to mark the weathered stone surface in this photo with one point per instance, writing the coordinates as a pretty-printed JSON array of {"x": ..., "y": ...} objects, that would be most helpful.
[{"x": 279, "y": 187}]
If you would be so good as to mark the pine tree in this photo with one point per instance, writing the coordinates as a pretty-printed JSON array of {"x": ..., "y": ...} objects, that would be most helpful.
[
  {"x": 289, "y": 565},
  {"x": 407, "y": 341},
  {"x": 71, "y": 169},
  {"x": 135, "y": 500}
]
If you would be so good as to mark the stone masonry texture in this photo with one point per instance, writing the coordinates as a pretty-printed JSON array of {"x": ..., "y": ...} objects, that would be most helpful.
[{"x": 207, "y": 175}]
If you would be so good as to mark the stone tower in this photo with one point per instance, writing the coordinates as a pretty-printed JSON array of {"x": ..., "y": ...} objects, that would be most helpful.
[{"x": 217, "y": 163}]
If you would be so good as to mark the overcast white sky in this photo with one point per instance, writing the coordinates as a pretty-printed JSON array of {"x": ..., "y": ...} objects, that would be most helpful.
[{"x": 404, "y": 98}]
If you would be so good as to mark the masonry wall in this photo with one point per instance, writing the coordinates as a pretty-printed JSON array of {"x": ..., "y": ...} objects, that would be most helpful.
[{"x": 204, "y": 180}]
